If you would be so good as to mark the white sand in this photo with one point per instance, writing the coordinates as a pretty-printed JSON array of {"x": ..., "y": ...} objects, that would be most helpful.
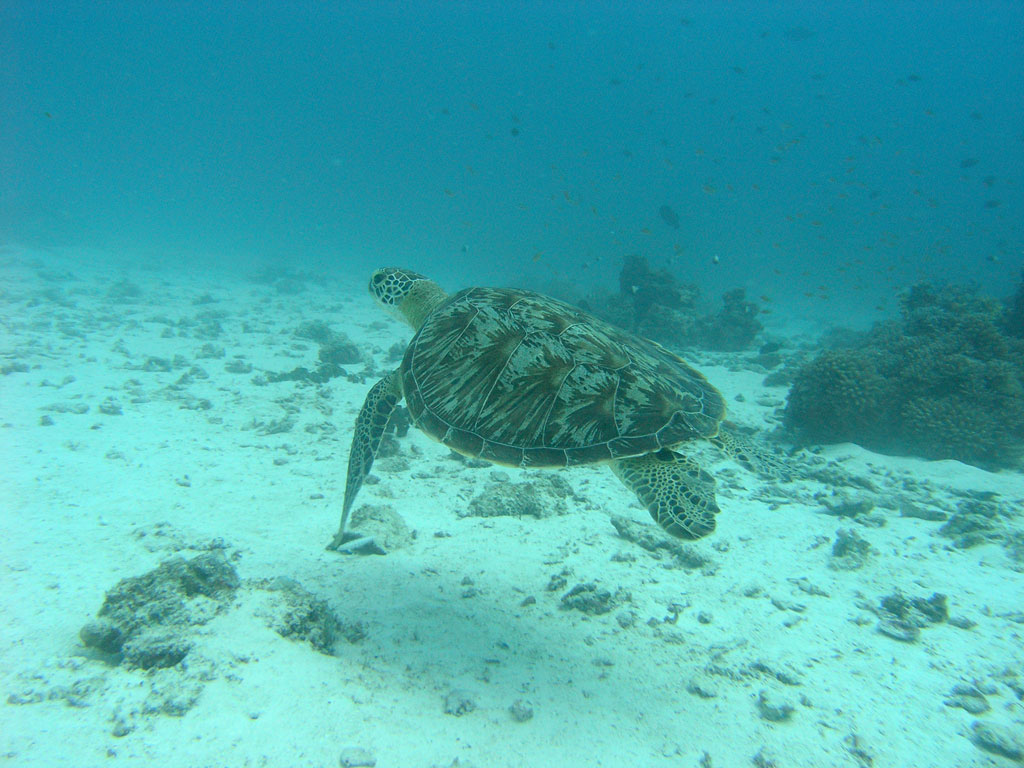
[{"x": 95, "y": 498}]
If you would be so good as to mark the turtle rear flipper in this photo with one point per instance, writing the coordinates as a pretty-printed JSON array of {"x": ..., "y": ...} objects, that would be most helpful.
[
  {"x": 753, "y": 454},
  {"x": 679, "y": 494},
  {"x": 380, "y": 403}
]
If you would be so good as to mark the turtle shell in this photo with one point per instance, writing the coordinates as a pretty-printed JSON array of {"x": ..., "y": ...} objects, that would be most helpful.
[{"x": 520, "y": 379}]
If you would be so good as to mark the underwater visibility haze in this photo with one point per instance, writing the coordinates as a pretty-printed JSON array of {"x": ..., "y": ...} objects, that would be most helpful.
[
  {"x": 804, "y": 145},
  {"x": 762, "y": 260}
]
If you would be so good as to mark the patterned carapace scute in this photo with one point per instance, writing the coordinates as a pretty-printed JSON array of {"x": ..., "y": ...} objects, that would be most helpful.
[{"x": 524, "y": 380}]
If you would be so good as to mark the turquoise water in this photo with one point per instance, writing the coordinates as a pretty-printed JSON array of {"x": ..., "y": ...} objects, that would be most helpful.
[
  {"x": 192, "y": 198},
  {"x": 839, "y": 149}
]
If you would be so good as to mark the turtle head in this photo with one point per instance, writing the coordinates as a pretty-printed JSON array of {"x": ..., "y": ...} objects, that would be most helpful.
[{"x": 406, "y": 295}]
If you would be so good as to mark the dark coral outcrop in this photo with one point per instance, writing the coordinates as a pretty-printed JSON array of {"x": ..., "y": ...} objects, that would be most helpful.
[
  {"x": 652, "y": 303},
  {"x": 734, "y": 327},
  {"x": 943, "y": 381},
  {"x": 1013, "y": 320}
]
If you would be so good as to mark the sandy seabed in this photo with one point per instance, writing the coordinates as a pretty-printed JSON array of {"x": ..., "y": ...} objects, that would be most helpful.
[{"x": 141, "y": 423}]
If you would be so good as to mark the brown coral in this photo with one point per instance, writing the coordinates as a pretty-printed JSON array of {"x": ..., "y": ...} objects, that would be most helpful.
[{"x": 944, "y": 382}]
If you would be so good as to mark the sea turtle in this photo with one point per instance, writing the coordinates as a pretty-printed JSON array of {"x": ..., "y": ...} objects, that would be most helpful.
[{"x": 521, "y": 379}]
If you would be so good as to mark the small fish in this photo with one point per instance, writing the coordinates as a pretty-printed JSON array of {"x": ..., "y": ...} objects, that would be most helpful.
[{"x": 669, "y": 216}]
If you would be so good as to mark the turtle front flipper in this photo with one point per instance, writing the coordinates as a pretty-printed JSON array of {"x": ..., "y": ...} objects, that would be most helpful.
[
  {"x": 753, "y": 454},
  {"x": 380, "y": 403},
  {"x": 679, "y": 494}
]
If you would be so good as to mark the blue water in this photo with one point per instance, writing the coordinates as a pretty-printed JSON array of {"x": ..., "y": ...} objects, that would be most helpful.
[{"x": 824, "y": 155}]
